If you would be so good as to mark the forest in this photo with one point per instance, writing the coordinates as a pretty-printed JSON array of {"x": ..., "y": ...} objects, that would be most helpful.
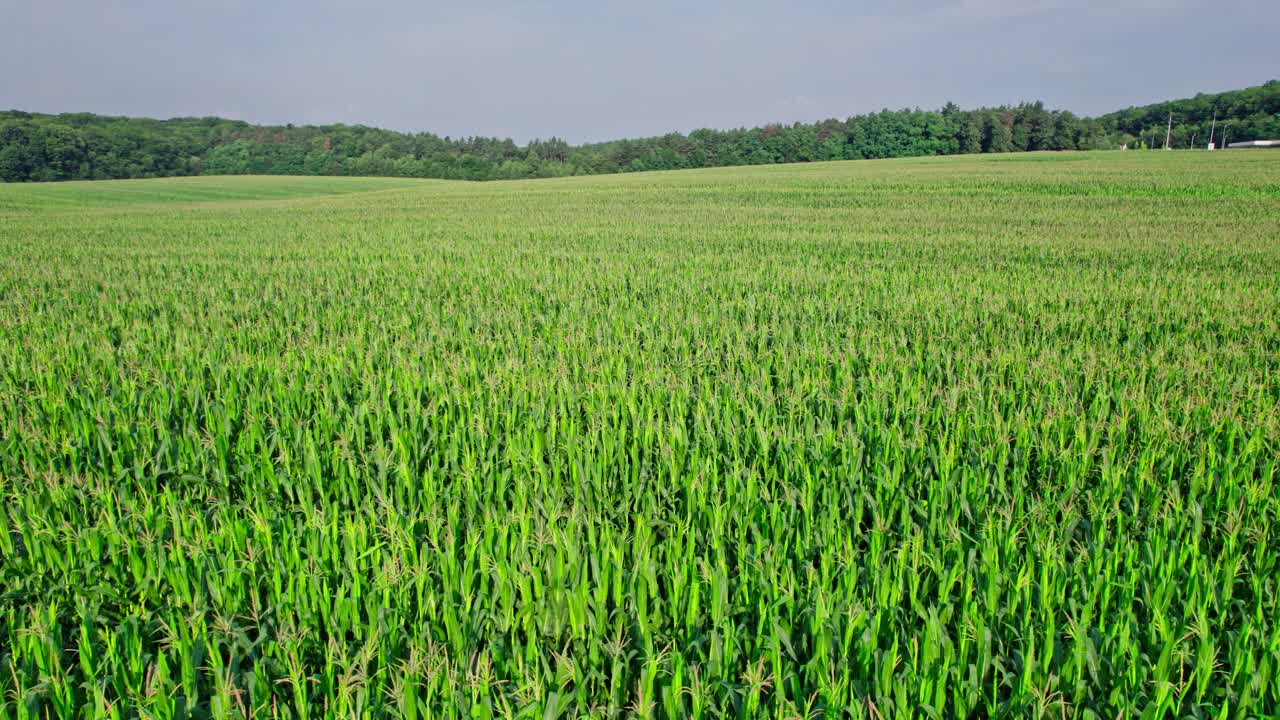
[{"x": 84, "y": 146}]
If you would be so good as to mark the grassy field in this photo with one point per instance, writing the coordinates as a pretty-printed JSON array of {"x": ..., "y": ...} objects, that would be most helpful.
[
  {"x": 182, "y": 192},
  {"x": 963, "y": 437}
]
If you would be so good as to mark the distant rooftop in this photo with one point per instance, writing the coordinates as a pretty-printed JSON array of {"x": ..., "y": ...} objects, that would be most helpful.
[{"x": 1256, "y": 144}]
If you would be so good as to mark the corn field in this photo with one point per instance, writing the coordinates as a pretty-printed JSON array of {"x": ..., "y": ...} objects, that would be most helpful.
[{"x": 984, "y": 437}]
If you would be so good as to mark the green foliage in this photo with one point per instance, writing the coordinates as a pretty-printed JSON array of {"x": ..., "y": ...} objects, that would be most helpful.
[
  {"x": 948, "y": 437},
  {"x": 86, "y": 146},
  {"x": 1248, "y": 114},
  {"x": 997, "y": 134}
]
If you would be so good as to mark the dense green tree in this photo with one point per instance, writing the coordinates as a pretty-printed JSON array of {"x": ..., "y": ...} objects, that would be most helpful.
[
  {"x": 83, "y": 145},
  {"x": 997, "y": 132},
  {"x": 16, "y": 158},
  {"x": 1066, "y": 132},
  {"x": 1040, "y": 128},
  {"x": 1248, "y": 114}
]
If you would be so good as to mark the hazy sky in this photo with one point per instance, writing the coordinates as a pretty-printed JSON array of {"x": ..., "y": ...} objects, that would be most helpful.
[{"x": 593, "y": 70}]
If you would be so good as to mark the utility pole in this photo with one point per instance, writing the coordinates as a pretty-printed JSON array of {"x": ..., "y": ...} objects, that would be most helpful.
[
  {"x": 1168, "y": 133},
  {"x": 1213, "y": 127}
]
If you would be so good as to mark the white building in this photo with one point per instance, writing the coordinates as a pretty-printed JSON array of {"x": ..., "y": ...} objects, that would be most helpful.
[{"x": 1256, "y": 144}]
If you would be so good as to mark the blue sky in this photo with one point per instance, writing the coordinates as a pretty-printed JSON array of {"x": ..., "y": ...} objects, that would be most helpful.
[{"x": 589, "y": 71}]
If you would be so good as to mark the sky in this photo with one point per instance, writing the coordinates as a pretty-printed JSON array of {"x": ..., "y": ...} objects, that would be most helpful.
[{"x": 593, "y": 70}]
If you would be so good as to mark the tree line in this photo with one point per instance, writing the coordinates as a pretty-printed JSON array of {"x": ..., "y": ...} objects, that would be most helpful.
[
  {"x": 81, "y": 146},
  {"x": 1251, "y": 113}
]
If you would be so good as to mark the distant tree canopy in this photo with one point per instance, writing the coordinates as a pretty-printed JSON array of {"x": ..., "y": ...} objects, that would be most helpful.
[
  {"x": 86, "y": 146},
  {"x": 1249, "y": 114}
]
